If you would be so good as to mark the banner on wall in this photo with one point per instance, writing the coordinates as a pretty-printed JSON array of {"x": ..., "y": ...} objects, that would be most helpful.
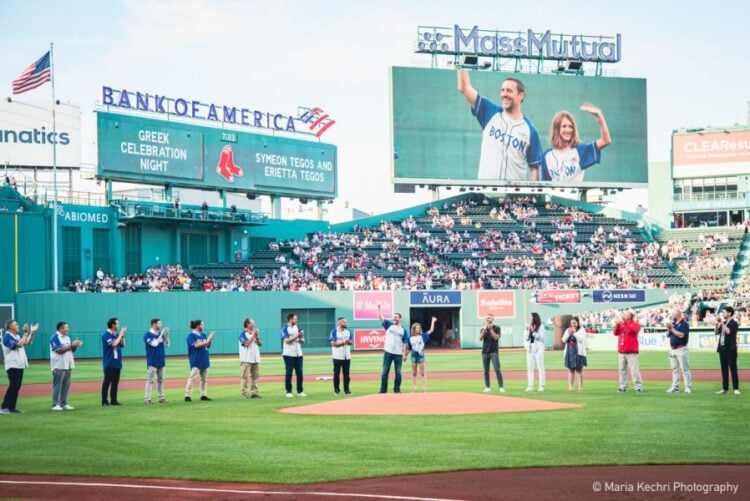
[
  {"x": 501, "y": 304},
  {"x": 435, "y": 298},
  {"x": 366, "y": 304},
  {"x": 618, "y": 296},
  {"x": 710, "y": 341},
  {"x": 558, "y": 297},
  {"x": 708, "y": 154},
  {"x": 369, "y": 339}
]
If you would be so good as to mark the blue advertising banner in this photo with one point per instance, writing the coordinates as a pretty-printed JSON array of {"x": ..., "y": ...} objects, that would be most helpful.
[
  {"x": 150, "y": 151},
  {"x": 435, "y": 298},
  {"x": 619, "y": 296}
]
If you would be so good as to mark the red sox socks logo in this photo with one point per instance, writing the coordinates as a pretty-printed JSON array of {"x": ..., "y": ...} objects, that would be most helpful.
[{"x": 226, "y": 167}]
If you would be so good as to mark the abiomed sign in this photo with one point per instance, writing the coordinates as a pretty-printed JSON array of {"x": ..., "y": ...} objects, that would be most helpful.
[{"x": 529, "y": 45}]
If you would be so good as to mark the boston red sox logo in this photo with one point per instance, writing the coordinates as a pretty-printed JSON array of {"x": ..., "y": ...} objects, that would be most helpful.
[{"x": 226, "y": 167}]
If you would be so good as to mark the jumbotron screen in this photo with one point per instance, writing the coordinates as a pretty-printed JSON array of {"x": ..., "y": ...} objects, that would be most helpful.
[{"x": 495, "y": 128}]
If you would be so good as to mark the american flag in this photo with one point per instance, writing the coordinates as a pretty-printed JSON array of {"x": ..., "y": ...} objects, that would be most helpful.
[{"x": 33, "y": 76}]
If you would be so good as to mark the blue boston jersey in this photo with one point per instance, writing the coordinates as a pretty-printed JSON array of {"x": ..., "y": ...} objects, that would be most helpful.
[
  {"x": 111, "y": 355},
  {"x": 569, "y": 164},
  {"x": 198, "y": 356},
  {"x": 509, "y": 147},
  {"x": 155, "y": 356}
]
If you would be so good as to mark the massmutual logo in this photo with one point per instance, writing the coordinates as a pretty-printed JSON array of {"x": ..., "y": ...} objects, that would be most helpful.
[{"x": 530, "y": 45}]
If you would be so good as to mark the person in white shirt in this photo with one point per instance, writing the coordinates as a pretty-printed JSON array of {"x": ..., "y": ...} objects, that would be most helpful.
[
  {"x": 575, "y": 340},
  {"x": 395, "y": 350},
  {"x": 415, "y": 344},
  {"x": 341, "y": 341},
  {"x": 535, "y": 351},
  {"x": 61, "y": 361},
  {"x": 249, "y": 341},
  {"x": 15, "y": 359},
  {"x": 292, "y": 338}
]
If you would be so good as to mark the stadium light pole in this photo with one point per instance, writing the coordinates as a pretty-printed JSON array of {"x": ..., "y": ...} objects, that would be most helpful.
[{"x": 54, "y": 174}]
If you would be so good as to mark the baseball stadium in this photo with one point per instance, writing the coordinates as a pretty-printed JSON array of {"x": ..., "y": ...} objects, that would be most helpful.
[{"x": 525, "y": 273}]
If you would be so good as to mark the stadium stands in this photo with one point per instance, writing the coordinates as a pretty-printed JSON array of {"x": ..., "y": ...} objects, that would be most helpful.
[{"x": 481, "y": 242}]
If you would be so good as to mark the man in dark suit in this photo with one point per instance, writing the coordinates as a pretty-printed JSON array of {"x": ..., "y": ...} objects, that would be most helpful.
[{"x": 727, "y": 329}]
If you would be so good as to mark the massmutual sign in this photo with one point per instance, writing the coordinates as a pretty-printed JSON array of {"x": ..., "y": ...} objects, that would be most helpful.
[{"x": 527, "y": 45}]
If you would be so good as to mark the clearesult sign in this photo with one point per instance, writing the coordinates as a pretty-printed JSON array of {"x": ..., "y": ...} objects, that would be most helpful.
[
  {"x": 369, "y": 339},
  {"x": 708, "y": 153}
]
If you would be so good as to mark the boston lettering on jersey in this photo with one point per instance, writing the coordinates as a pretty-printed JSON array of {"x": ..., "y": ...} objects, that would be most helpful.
[
  {"x": 507, "y": 139},
  {"x": 510, "y": 148}
]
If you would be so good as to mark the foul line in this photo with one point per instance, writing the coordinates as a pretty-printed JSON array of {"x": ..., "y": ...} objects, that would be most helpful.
[{"x": 230, "y": 491}]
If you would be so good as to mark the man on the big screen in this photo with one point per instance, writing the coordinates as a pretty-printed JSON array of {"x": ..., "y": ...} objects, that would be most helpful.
[{"x": 511, "y": 148}]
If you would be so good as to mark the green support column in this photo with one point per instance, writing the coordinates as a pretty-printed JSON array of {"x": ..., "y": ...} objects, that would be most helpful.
[{"x": 275, "y": 207}]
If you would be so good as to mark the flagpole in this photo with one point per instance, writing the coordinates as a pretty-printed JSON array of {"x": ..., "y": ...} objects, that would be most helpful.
[{"x": 54, "y": 174}]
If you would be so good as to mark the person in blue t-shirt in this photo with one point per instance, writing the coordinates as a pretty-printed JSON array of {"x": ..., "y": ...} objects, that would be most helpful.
[
  {"x": 678, "y": 333},
  {"x": 395, "y": 350},
  {"x": 112, "y": 345},
  {"x": 156, "y": 339},
  {"x": 568, "y": 158},
  {"x": 416, "y": 344},
  {"x": 198, "y": 345}
]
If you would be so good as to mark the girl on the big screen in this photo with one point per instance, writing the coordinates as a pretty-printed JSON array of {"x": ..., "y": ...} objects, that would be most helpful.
[{"x": 568, "y": 158}]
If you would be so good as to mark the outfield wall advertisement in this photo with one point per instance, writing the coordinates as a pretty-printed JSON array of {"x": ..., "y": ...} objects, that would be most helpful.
[
  {"x": 439, "y": 138},
  {"x": 142, "y": 150}
]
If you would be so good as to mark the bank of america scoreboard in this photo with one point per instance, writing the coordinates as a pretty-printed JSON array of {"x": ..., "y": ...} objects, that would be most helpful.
[{"x": 144, "y": 150}]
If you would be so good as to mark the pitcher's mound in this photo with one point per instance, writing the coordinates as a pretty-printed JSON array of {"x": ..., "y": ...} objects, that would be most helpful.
[{"x": 399, "y": 404}]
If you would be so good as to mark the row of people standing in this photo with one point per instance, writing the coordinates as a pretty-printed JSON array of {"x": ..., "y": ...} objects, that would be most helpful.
[
  {"x": 575, "y": 341},
  {"x": 398, "y": 346}
]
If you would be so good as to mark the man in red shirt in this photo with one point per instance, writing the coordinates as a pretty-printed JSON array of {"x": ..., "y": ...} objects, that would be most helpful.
[{"x": 627, "y": 330}]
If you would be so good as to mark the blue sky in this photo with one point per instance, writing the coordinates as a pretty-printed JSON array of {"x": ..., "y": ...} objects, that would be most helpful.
[{"x": 279, "y": 54}]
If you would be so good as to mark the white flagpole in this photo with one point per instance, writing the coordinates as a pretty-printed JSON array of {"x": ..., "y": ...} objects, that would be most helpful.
[{"x": 54, "y": 174}]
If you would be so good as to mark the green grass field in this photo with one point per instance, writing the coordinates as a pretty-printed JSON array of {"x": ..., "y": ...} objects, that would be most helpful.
[{"x": 231, "y": 439}]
